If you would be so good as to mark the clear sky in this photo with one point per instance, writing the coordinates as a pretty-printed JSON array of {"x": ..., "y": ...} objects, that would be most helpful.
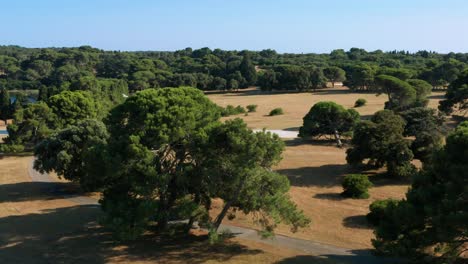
[{"x": 285, "y": 25}]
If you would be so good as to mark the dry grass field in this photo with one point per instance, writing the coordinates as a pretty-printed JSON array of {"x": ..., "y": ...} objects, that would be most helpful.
[
  {"x": 315, "y": 169},
  {"x": 296, "y": 105}
]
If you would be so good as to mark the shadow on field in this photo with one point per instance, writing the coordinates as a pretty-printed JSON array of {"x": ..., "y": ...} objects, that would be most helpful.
[
  {"x": 332, "y": 91},
  {"x": 325, "y": 176},
  {"x": 72, "y": 235},
  {"x": 329, "y": 196},
  {"x": 357, "y": 221},
  {"x": 31, "y": 191},
  {"x": 292, "y": 129},
  {"x": 439, "y": 96},
  {"x": 357, "y": 257}
]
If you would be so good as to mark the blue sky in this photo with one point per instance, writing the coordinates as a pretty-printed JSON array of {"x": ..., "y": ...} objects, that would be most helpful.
[{"x": 285, "y": 25}]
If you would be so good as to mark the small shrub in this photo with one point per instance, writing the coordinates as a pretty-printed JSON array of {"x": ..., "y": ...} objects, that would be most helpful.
[
  {"x": 356, "y": 186},
  {"x": 7, "y": 148},
  {"x": 213, "y": 237},
  {"x": 252, "y": 108},
  {"x": 231, "y": 110},
  {"x": 378, "y": 210},
  {"x": 360, "y": 102},
  {"x": 276, "y": 111}
]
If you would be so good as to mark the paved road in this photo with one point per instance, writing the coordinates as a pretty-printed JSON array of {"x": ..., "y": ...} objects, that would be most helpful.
[
  {"x": 281, "y": 133},
  {"x": 341, "y": 255}
]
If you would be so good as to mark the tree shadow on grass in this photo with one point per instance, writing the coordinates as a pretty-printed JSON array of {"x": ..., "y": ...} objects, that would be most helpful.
[
  {"x": 357, "y": 221},
  {"x": 382, "y": 179},
  {"x": 325, "y": 176},
  {"x": 330, "y": 196},
  {"x": 292, "y": 129},
  {"x": 355, "y": 257},
  {"x": 30, "y": 191},
  {"x": 72, "y": 235}
]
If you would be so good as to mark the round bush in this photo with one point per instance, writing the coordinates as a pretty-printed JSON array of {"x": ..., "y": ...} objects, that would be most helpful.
[
  {"x": 276, "y": 111},
  {"x": 252, "y": 108},
  {"x": 378, "y": 210},
  {"x": 356, "y": 186},
  {"x": 360, "y": 102}
]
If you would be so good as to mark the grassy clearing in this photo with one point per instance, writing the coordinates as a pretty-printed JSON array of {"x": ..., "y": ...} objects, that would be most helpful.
[
  {"x": 316, "y": 169},
  {"x": 296, "y": 105}
]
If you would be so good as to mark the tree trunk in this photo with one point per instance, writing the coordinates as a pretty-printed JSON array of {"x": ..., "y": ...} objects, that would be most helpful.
[
  {"x": 333, "y": 84},
  {"x": 220, "y": 217},
  {"x": 228, "y": 204},
  {"x": 338, "y": 140}
]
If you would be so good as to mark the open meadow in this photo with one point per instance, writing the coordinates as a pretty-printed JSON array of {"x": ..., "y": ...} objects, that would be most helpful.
[{"x": 315, "y": 169}]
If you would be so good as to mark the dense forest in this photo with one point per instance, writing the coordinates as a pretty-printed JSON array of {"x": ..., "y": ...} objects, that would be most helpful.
[{"x": 52, "y": 70}]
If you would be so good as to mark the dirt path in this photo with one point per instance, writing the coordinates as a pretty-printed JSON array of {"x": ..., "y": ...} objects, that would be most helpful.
[{"x": 308, "y": 247}]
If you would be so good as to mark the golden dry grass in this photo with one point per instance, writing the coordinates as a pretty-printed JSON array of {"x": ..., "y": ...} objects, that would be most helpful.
[
  {"x": 316, "y": 169},
  {"x": 296, "y": 105}
]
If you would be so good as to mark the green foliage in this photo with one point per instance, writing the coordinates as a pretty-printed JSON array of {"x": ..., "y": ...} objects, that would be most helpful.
[
  {"x": 379, "y": 209},
  {"x": 247, "y": 69},
  {"x": 423, "y": 89},
  {"x": 457, "y": 95},
  {"x": 360, "y": 102},
  {"x": 381, "y": 141},
  {"x": 75, "y": 153},
  {"x": 71, "y": 107},
  {"x": 433, "y": 217},
  {"x": 361, "y": 77},
  {"x": 11, "y": 148},
  {"x": 31, "y": 124},
  {"x": 242, "y": 161},
  {"x": 328, "y": 118},
  {"x": 427, "y": 127},
  {"x": 276, "y": 111},
  {"x": 356, "y": 186},
  {"x": 334, "y": 74},
  {"x": 170, "y": 156},
  {"x": 153, "y": 136},
  {"x": 252, "y": 108},
  {"x": 231, "y": 110},
  {"x": 5, "y": 105},
  {"x": 401, "y": 95}
]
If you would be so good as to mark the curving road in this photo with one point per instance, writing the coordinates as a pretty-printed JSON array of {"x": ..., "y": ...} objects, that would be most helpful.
[{"x": 341, "y": 255}]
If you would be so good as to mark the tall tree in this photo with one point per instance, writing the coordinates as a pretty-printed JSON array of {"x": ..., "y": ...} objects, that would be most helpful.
[
  {"x": 433, "y": 219},
  {"x": 381, "y": 141},
  {"x": 238, "y": 163},
  {"x": 328, "y": 118},
  {"x": 334, "y": 74},
  {"x": 400, "y": 94},
  {"x": 153, "y": 136},
  {"x": 456, "y": 96},
  {"x": 248, "y": 69},
  {"x": 72, "y": 106},
  {"x": 31, "y": 124},
  {"x": 76, "y": 153},
  {"x": 5, "y": 105}
]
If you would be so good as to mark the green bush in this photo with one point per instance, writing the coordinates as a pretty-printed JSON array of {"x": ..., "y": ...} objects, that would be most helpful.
[
  {"x": 7, "y": 148},
  {"x": 378, "y": 210},
  {"x": 360, "y": 102},
  {"x": 356, "y": 186},
  {"x": 231, "y": 110},
  {"x": 252, "y": 108},
  {"x": 276, "y": 111}
]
